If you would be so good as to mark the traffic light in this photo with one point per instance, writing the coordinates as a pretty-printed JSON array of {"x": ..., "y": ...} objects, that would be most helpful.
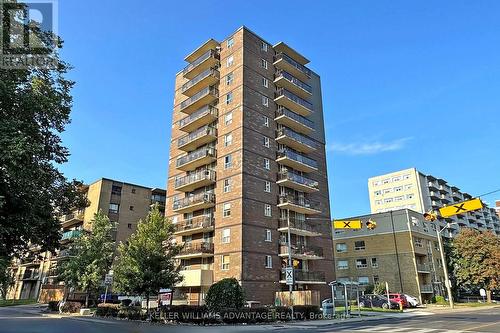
[
  {"x": 370, "y": 224},
  {"x": 430, "y": 216}
]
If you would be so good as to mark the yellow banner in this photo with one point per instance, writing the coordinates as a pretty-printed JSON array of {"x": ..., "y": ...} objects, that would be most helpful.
[
  {"x": 347, "y": 224},
  {"x": 461, "y": 207}
]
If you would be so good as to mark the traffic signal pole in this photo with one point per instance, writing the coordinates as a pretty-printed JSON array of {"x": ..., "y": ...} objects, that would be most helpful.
[{"x": 445, "y": 266}]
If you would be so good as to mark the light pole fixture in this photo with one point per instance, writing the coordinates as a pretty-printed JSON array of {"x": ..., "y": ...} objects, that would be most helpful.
[{"x": 445, "y": 266}]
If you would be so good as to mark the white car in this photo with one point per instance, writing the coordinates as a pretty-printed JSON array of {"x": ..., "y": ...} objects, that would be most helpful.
[{"x": 412, "y": 301}]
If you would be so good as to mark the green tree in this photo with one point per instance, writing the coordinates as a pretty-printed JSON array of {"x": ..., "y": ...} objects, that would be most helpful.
[
  {"x": 35, "y": 105},
  {"x": 91, "y": 256},
  {"x": 227, "y": 293},
  {"x": 145, "y": 263},
  {"x": 476, "y": 260},
  {"x": 379, "y": 288},
  {"x": 6, "y": 278}
]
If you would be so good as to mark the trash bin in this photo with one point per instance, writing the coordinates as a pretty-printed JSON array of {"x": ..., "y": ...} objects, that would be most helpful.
[{"x": 327, "y": 307}]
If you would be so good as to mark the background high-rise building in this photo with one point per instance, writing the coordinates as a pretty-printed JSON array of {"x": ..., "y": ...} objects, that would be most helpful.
[
  {"x": 414, "y": 190},
  {"x": 247, "y": 169}
]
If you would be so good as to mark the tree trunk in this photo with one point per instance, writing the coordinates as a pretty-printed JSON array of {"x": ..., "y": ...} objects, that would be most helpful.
[
  {"x": 488, "y": 296},
  {"x": 87, "y": 299}
]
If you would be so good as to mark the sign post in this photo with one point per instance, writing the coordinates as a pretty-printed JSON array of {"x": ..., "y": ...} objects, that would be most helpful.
[{"x": 108, "y": 280}]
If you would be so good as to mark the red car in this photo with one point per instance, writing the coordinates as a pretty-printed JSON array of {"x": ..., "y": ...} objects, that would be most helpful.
[{"x": 400, "y": 299}]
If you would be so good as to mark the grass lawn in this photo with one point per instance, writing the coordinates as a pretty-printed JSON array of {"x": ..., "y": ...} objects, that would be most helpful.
[{"x": 12, "y": 302}]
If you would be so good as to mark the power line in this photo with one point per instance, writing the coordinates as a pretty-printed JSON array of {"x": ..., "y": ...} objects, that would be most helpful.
[{"x": 485, "y": 194}]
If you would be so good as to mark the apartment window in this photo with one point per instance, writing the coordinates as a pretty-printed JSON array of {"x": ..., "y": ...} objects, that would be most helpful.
[
  {"x": 116, "y": 190},
  {"x": 227, "y": 185},
  {"x": 363, "y": 280},
  {"x": 226, "y": 209},
  {"x": 408, "y": 187},
  {"x": 264, "y": 46},
  {"x": 376, "y": 183},
  {"x": 269, "y": 262},
  {"x": 263, "y": 63},
  {"x": 265, "y": 82},
  {"x": 407, "y": 176},
  {"x": 398, "y": 189},
  {"x": 129, "y": 225},
  {"x": 228, "y": 161},
  {"x": 265, "y": 101},
  {"x": 228, "y": 118},
  {"x": 229, "y": 79},
  {"x": 268, "y": 235},
  {"x": 131, "y": 208},
  {"x": 361, "y": 263},
  {"x": 114, "y": 208},
  {"x": 267, "y": 186},
  {"x": 359, "y": 245},
  {"x": 377, "y": 193},
  {"x": 386, "y": 181},
  {"x": 378, "y": 202},
  {"x": 267, "y": 164},
  {"x": 387, "y": 190},
  {"x": 226, "y": 235},
  {"x": 229, "y": 61},
  {"x": 341, "y": 247},
  {"x": 399, "y": 198},
  {"x": 410, "y": 196},
  {"x": 376, "y": 279},
  {"x": 396, "y": 179},
  {"x": 374, "y": 263},
  {"x": 228, "y": 139},
  {"x": 266, "y": 121},
  {"x": 133, "y": 191},
  {"x": 388, "y": 200},
  {"x": 267, "y": 210},
  {"x": 266, "y": 142},
  {"x": 418, "y": 242},
  {"x": 230, "y": 42},
  {"x": 225, "y": 262},
  {"x": 342, "y": 264},
  {"x": 229, "y": 97}
]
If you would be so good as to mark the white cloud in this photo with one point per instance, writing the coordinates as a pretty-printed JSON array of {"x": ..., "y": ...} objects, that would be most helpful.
[{"x": 368, "y": 148}]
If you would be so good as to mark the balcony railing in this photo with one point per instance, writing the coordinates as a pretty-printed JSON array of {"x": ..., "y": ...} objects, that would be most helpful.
[
  {"x": 194, "y": 155},
  {"x": 300, "y": 275},
  {"x": 282, "y": 111},
  {"x": 295, "y": 64},
  {"x": 294, "y": 80},
  {"x": 199, "y": 60},
  {"x": 195, "y": 248},
  {"x": 291, "y": 176},
  {"x": 298, "y": 201},
  {"x": 203, "y": 221},
  {"x": 301, "y": 139},
  {"x": 291, "y": 96},
  {"x": 297, "y": 224},
  {"x": 423, "y": 267},
  {"x": 302, "y": 250},
  {"x": 200, "y": 113},
  {"x": 426, "y": 288},
  {"x": 71, "y": 234},
  {"x": 202, "y": 93},
  {"x": 193, "y": 200},
  {"x": 298, "y": 158},
  {"x": 199, "y": 133},
  {"x": 194, "y": 178},
  {"x": 208, "y": 72}
]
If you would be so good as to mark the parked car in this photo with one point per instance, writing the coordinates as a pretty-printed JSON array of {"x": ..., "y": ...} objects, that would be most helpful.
[
  {"x": 412, "y": 301},
  {"x": 376, "y": 301},
  {"x": 400, "y": 299}
]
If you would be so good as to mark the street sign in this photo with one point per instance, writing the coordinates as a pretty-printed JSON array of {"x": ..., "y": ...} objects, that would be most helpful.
[
  {"x": 289, "y": 275},
  {"x": 347, "y": 224},
  {"x": 108, "y": 279},
  {"x": 461, "y": 207},
  {"x": 482, "y": 292}
]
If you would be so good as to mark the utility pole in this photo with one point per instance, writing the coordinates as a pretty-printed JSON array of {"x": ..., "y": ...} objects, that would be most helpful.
[
  {"x": 290, "y": 263},
  {"x": 445, "y": 266}
]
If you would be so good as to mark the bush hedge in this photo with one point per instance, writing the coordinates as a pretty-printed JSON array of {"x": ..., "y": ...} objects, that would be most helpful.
[
  {"x": 53, "y": 306},
  {"x": 71, "y": 307},
  {"x": 306, "y": 312},
  {"x": 107, "y": 310},
  {"x": 132, "y": 313}
]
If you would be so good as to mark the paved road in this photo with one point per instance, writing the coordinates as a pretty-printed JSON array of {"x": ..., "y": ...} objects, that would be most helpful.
[{"x": 26, "y": 320}]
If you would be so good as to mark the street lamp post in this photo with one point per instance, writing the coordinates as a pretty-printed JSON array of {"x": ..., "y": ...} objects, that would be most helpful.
[{"x": 445, "y": 266}]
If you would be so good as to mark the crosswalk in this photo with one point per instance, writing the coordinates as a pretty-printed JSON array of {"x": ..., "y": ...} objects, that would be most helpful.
[{"x": 392, "y": 329}]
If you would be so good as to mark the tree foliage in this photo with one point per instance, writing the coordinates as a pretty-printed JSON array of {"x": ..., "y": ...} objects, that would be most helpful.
[
  {"x": 6, "y": 278},
  {"x": 379, "y": 288},
  {"x": 476, "y": 259},
  {"x": 90, "y": 258},
  {"x": 145, "y": 263},
  {"x": 35, "y": 105},
  {"x": 225, "y": 294}
]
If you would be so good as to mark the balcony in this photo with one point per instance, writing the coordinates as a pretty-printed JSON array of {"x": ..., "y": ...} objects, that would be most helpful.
[
  {"x": 199, "y": 137},
  {"x": 457, "y": 196},
  {"x": 433, "y": 186},
  {"x": 298, "y": 227},
  {"x": 204, "y": 116},
  {"x": 202, "y": 223},
  {"x": 195, "y": 202},
  {"x": 203, "y": 97},
  {"x": 195, "y": 180},
  {"x": 293, "y": 120},
  {"x": 63, "y": 254},
  {"x": 296, "y": 161},
  {"x": 196, "y": 250},
  {"x": 196, "y": 159},
  {"x": 434, "y": 195},
  {"x": 282, "y": 61},
  {"x": 206, "y": 60},
  {"x": 196, "y": 278},
  {"x": 426, "y": 289},
  {"x": 297, "y": 182},
  {"x": 305, "y": 277},
  {"x": 423, "y": 268},
  {"x": 295, "y": 140},
  {"x": 299, "y": 205},
  {"x": 291, "y": 83},
  {"x": 69, "y": 235},
  {"x": 293, "y": 102},
  {"x": 304, "y": 252},
  {"x": 445, "y": 198},
  {"x": 72, "y": 219},
  {"x": 206, "y": 78}
]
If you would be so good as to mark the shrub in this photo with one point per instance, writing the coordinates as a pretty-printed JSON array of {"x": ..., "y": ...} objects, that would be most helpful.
[
  {"x": 126, "y": 302},
  {"x": 379, "y": 288},
  {"x": 53, "y": 306},
  {"x": 438, "y": 300},
  {"x": 187, "y": 313},
  {"x": 225, "y": 294},
  {"x": 132, "y": 313},
  {"x": 306, "y": 312},
  {"x": 107, "y": 310},
  {"x": 282, "y": 313},
  {"x": 71, "y": 307}
]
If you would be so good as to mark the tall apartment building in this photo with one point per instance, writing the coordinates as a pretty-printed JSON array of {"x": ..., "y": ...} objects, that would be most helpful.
[
  {"x": 414, "y": 190},
  {"x": 403, "y": 250},
  {"x": 247, "y": 168},
  {"x": 124, "y": 203}
]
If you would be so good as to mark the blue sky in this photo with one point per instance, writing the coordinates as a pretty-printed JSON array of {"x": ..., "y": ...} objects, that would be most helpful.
[{"x": 405, "y": 84}]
